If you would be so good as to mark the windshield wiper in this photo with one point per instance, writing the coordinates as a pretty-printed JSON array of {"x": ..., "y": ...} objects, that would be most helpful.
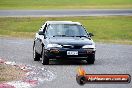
[
  {"x": 59, "y": 35},
  {"x": 68, "y": 36},
  {"x": 82, "y": 36}
]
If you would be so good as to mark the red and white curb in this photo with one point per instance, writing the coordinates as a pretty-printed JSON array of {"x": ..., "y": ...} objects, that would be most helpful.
[{"x": 33, "y": 77}]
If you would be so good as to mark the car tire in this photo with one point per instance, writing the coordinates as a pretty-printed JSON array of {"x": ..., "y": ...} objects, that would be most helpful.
[
  {"x": 36, "y": 56},
  {"x": 91, "y": 59},
  {"x": 45, "y": 60}
]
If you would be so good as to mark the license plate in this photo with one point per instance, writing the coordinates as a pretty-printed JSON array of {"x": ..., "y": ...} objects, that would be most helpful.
[{"x": 72, "y": 52}]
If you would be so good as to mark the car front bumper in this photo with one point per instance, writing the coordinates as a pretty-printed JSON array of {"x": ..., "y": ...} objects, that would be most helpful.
[{"x": 60, "y": 53}]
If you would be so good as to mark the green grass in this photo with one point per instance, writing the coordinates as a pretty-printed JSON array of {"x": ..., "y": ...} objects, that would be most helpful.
[
  {"x": 64, "y": 4},
  {"x": 116, "y": 29}
]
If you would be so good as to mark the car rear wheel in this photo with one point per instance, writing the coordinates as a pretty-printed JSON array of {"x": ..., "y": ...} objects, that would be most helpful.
[
  {"x": 45, "y": 60},
  {"x": 36, "y": 56},
  {"x": 91, "y": 59}
]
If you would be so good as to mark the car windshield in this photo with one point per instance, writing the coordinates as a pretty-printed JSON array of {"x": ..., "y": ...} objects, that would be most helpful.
[{"x": 65, "y": 30}]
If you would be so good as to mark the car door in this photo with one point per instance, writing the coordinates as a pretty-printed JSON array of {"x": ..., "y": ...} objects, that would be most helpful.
[
  {"x": 40, "y": 39},
  {"x": 36, "y": 42}
]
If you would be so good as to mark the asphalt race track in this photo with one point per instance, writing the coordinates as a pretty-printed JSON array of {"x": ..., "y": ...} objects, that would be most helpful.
[
  {"x": 66, "y": 12},
  {"x": 110, "y": 58}
]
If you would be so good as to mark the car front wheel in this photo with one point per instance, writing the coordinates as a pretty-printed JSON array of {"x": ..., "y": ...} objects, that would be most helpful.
[
  {"x": 91, "y": 59},
  {"x": 36, "y": 56},
  {"x": 45, "y": 60}
]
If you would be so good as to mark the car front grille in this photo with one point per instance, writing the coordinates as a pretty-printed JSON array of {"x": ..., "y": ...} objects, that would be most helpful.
[
  {"x": 77, "y": 47},
  {"x": 72, "y": 46}
]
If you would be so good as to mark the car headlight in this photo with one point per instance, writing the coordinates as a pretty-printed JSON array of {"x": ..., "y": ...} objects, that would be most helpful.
[
  {"x": 89, "y": 46},
  {"x": 54, "y": 46}
]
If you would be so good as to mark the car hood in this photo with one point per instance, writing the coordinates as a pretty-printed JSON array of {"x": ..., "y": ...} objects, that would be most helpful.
[{"x": 70, "y": 40}]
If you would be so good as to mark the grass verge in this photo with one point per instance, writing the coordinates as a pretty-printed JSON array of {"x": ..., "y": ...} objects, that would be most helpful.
[
  {"x": 115, "y": 29},
  {"x": 10, "y": 73},
  {"x": 64, "y": 4}
]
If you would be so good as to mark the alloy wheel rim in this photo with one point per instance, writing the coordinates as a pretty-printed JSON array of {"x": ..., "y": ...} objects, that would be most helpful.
[
  {"x": 33, "y": 52},
  {"x": 42, "y": 59}
]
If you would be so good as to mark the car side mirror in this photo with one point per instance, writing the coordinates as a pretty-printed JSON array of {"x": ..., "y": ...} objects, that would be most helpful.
[
  {"x": 91, "y": 34},
  {"x": 41, "y": 33}
]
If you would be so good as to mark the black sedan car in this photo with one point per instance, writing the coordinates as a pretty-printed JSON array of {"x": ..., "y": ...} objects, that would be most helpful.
[{"x": 63, "y": 40}]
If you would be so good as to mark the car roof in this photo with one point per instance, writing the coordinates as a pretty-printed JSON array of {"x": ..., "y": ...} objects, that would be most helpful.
[{"x": 62, "y": 22}]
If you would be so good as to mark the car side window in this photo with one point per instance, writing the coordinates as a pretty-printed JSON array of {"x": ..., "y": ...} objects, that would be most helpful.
[
  {"x": 41, "y": 29},
  {"x": 45, "y": 28}
]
